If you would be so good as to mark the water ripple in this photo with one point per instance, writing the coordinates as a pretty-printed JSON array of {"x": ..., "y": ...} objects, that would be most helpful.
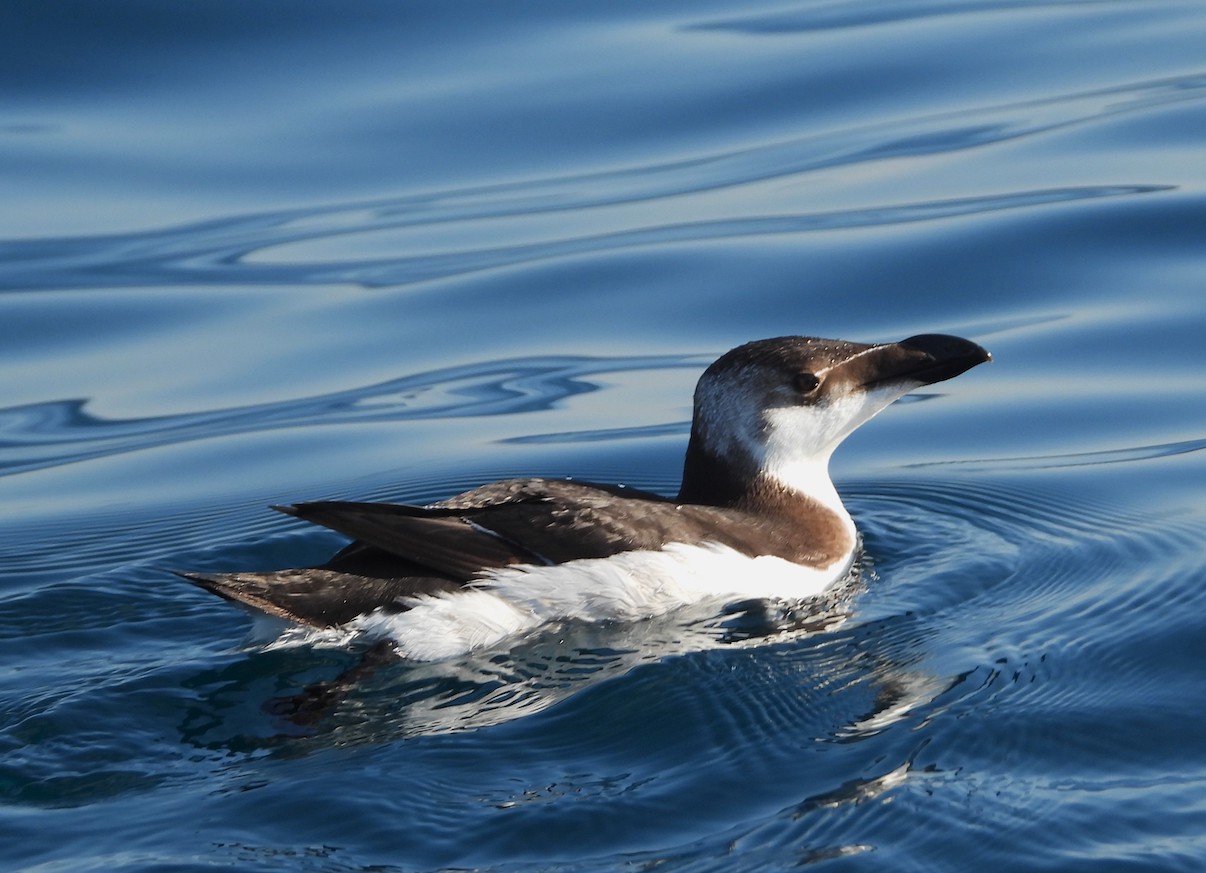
[
  {"x": 1017, "y": 619},
  {"x": 596, "y": 435},
  {"x": 240, "y": 250},
  {"x": 1074, "y": 459},
  {"x": 53, "y": 433},
  {"x": 403, "y": 271},
  {"x": 836, "y": 16}
]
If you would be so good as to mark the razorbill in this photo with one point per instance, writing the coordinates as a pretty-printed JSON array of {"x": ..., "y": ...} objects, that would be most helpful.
[{"x": 757, "y": 515}]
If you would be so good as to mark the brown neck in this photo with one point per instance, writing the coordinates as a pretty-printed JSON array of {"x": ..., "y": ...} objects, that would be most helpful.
[
  {"x": 806, "y": 530},
  {"x": 709, "y": 481},
  {"x": 822, "y": 533}
]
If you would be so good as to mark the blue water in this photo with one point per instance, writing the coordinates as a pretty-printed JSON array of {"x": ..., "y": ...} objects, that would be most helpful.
[{"x": 255, "y": 253}]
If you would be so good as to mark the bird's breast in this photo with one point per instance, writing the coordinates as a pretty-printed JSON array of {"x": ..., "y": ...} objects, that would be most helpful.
[{"x": 628, "y": 586}]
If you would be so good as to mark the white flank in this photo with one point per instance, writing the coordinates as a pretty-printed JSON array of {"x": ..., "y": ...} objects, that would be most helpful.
[{"x": 625, "y": 587}]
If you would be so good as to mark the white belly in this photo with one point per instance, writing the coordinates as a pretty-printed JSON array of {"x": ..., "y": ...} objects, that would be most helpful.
[{"x": 625, "y": 587}]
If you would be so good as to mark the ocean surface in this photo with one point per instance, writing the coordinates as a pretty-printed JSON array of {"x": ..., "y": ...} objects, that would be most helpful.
[{"x": 254, "y": 253}]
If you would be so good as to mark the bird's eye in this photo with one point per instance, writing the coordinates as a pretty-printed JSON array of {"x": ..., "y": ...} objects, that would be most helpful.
[{"x": 806, "y": 383}]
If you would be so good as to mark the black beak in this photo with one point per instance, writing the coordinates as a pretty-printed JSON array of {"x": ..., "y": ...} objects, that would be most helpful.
[{"x": 925, "y": 359}]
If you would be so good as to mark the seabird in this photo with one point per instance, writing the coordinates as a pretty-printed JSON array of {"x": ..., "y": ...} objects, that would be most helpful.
[{"x": 757, "y": 516}]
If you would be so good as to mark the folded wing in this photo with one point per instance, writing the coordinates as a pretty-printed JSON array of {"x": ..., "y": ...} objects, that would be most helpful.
[{"x": 400, "y": 552}]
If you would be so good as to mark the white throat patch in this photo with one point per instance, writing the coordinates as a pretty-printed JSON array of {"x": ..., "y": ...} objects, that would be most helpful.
[{"x": 800, "y": 440}]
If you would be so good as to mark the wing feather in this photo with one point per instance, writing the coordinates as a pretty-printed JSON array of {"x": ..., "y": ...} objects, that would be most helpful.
[
  {"x": 322, "y": 598},
  {"x": 445, "y": 542}
]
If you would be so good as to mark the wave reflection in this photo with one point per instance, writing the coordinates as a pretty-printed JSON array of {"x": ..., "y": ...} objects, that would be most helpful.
[
  {"x": 1074, "y": 459},
  {"x": 276, "y": 248},
  {"x": 49, "y": 434},
  {"x": 837, "y": 16}
]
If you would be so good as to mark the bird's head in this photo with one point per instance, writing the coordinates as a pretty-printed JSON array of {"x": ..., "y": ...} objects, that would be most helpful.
[{"x": 772, "y": 411}]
